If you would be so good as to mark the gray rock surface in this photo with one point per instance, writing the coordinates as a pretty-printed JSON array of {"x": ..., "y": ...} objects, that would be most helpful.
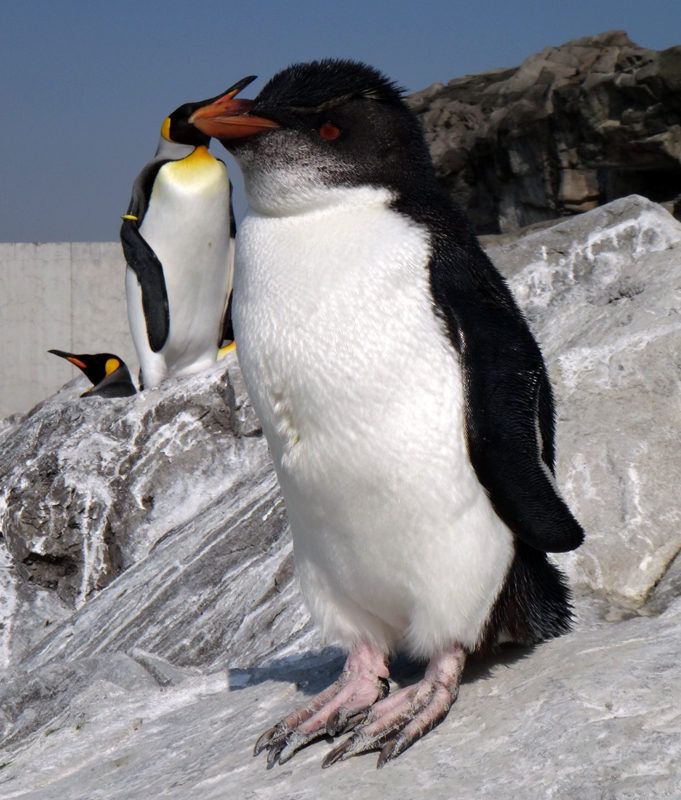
[
  {"x": 571, "y": 128},
  {"x": 89, "y": 485},
  {"x": 592, "y": 715},
  {"x": 158, "y": 683},
  {"x": 602, "y": 293},
  {"x": 176, "y": 488}
]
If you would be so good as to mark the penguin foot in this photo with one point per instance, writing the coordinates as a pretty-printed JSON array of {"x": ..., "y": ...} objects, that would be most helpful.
[
  {"x": 396, "y": 722},
  {"x": 338, "y": 709}
]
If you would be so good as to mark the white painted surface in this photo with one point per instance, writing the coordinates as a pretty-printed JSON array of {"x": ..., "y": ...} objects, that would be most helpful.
[{"x": 65, "y": 296}]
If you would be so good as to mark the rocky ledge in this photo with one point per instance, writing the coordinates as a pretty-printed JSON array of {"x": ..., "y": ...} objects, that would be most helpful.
[
  {"x": 146, "y": 643},
  {"x": 571, "y": 128}
]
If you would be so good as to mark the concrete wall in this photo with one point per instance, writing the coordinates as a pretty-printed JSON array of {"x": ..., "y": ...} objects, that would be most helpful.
[{"x": 64, "y": 296}]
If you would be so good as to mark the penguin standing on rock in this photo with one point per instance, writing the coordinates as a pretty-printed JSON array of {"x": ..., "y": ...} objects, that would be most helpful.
[
  {"x": 405, "y": 402},
  {"x": 178, "y": 240},
  {"x": 109, "y": 374}
]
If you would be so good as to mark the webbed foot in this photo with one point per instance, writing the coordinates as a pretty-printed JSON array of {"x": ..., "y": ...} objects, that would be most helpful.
[
  {"x": 395, "y": 723},
  {"x": 338, "y": 709}
]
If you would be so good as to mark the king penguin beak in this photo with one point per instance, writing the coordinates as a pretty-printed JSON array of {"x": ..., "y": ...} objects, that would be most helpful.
[{"x": 227, "y": 118}]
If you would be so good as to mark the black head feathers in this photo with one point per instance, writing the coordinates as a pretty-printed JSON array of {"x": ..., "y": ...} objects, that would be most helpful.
[{"x": 319, "y": 85}]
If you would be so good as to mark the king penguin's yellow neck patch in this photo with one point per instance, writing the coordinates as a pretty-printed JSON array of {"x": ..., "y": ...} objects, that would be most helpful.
[
  {"x": 111, "y": 365},
  {"x": 165, "y": 129}
]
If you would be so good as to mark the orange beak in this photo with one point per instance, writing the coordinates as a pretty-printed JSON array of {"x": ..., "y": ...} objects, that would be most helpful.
[{"x": 227, "y": 118}]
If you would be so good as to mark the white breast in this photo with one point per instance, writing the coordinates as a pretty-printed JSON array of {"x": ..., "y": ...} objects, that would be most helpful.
[
  {"x": 359, "y": 393},
  {"x": 187, "y": 226}
]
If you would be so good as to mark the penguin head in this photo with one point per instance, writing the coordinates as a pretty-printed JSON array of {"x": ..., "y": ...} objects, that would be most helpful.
[
  {"x": 96, "y": 367},
  {"x": 325, "y": 124},
  {"x": 176, "y": 127}
]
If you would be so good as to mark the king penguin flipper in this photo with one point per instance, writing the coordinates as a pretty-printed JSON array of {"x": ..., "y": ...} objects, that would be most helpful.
[
  {"x": 508, "y": 402},
  {"x": 145, "y": 264}
]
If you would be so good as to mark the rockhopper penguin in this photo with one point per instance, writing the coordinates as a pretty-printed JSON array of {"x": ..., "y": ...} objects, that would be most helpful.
[
  {"x": 109, "y": 374},
  {"x": 178, "y": 240},
  {"x": 405, "y": 402}
]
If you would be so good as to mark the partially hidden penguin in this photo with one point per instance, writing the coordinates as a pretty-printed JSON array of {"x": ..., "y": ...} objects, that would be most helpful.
[
  {"x": 404, "y": 399},
  {"x": 178, "y": 241},
  {"x": 108, "y": 373}
]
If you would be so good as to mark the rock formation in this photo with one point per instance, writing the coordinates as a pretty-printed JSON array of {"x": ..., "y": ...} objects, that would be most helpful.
[
  {"x": 172, "y": 493},
  {"x": 177, "y": 634},
  {"x": 571, "y": 128}
]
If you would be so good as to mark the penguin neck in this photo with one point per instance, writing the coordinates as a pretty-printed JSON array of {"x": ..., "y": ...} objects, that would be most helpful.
[
  {"x": 172, "y": 151},
  {"x": 289, "y": 193}
]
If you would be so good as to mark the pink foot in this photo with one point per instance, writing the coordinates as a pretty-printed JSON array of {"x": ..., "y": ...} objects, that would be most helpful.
[
  {"x": 364, "y": 680},
  {"x": 395, "y": 723}
]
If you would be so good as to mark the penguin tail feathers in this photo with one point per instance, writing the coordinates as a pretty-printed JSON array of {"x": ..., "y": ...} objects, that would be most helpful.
[{"x": 533, "y": 605}]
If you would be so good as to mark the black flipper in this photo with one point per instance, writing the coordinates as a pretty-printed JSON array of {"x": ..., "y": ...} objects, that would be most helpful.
[
  {"x": 141, "y": 258},
  {"x": 144, "y": 263},
  {"x": 509, "y": 416}
]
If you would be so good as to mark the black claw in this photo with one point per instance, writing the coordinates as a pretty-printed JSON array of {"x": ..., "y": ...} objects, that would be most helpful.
[
  {"x": 336, "y": 721},
  {"x": 384, "y": 688},
  {"x": 264, "y": 740},
  {"x": 274, "y": 749},
  {"x": 343, "y": 720},
  {"x": 387, "y": 753},
  {"x": 355, "y": 720},
  {"x": 337, "y": 754},
  {"x": 296, "y": 741}
]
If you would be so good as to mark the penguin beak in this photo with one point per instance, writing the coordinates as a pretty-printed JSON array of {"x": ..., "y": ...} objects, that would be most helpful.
[
  {"x": 69, "y": 357},
  {"x": 227, "y": 118}
]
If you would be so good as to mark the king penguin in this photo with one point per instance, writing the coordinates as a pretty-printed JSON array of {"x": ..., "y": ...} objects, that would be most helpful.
[
  {"x": 109, "y": 374},
  {"x": 178, "y": 240},
  {"x": 405, "y": 402}
]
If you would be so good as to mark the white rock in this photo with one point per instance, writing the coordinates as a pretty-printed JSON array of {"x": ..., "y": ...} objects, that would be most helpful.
[
  {"x": 602, "y": 293},
  {"x": 591, "y": 715}
]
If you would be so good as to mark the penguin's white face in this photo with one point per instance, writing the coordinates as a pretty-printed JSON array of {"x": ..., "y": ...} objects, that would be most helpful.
[
  {"x": 285, "y": 173},
  {"x": 332, "y": 125}
]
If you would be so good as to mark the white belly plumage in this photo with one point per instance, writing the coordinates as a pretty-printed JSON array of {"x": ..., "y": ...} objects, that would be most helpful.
[
  {"x": 187, "y": 226},
  {"x": 359, "y": 393}
]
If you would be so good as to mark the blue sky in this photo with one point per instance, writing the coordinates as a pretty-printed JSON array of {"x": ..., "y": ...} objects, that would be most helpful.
[{"x": 86, "y": 85}]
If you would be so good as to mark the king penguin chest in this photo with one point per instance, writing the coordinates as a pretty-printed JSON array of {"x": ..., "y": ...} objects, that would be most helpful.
[
  {"x": 187, "y": 220},
  {"x": 337, "y": 337}
]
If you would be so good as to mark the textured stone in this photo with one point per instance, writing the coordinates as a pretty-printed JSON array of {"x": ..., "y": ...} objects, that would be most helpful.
[
  {"x": 170, "y": 494},
  {"x": 89, "y": 485},
  {"x": 589, "y": 716},
  {"x": 572, "y": 127},
  {"x": 602, "y": 293}
]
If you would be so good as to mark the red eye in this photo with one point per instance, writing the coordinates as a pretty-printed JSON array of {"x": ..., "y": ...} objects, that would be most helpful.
[{"x": 329, "y": 131}]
